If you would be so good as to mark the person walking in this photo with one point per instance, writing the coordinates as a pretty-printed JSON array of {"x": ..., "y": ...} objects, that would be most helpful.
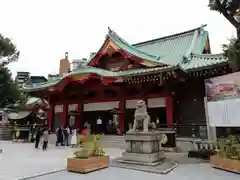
[
  {"x": 67, "y": 136},
  {"x": 38, "y": 137},
  {"x": 99, "y": 126},
  {"x": 74, "y": 137},
  {"x": 34, "y": 132},
  {"x": 45, "y": 139},
  {"x": 60, "y": 136}
]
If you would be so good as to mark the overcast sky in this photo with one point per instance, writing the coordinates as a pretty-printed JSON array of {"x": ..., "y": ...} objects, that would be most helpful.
[{"x": 44, "y": 30}]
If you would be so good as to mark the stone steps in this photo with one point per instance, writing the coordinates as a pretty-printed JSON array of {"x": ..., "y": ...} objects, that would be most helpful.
[
  {"x": 112, "y": 141},
  {"x": 6, "y": 132}
]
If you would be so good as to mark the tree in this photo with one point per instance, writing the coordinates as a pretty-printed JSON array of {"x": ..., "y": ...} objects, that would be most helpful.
[
  {"x": 232, "y": 51},
  {"x": 8, "y": 51},
  {"x": 9, "y": 91},
  {"x": 230, "y": 9}
]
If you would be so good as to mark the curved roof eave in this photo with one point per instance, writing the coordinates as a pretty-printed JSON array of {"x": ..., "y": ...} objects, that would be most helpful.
[
  {"x": 122, "y": 44},
  {"x": 103, "y": 73}
]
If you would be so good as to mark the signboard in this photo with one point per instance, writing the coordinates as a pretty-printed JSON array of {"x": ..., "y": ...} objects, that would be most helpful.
[
  {"x": 224, "y": 113},
  {"x": 223, "y": 87},
  {"x": 223, "y": 100}
]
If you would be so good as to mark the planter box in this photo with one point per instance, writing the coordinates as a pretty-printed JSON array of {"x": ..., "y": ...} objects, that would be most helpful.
[
  {"x": 225, "y": 164},
  {"x": 87, "y": 165}
]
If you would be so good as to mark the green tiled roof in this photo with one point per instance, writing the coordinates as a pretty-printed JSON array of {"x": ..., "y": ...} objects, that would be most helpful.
[
  {"x": 173, "y": 49},
  {"x": 183, "y": 50},
  {"x": 169, "y": 50},
  {"x": 42, "y": 86},
  {"x": 131, "y": 49},
  {"x": 32, "y": 100},
  {"x": 194, "y": 62},
  {"x": 197, "y": 61},
  {"x": 100, "y": 72},
  {"x": 106, "y": 73}
]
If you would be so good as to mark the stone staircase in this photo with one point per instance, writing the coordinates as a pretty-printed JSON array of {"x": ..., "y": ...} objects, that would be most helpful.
[{"x": 112, "y": 141}]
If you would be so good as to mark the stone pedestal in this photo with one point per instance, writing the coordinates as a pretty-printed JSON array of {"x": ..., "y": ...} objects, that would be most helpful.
[{"x": 142, "y": 148}]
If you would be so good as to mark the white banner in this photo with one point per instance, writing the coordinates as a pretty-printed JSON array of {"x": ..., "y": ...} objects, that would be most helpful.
[
  {"x": 232, "y": 116},
  {"x": 224, "y": 113},
  {"x": 101, "y": 106}
]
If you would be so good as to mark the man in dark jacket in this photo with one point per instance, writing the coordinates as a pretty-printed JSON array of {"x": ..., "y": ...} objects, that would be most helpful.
[{"x": 38, "y": 137}]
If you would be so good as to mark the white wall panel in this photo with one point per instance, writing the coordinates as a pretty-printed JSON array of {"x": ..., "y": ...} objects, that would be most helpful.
[
  {"x": 156, "y": 102},
  {"x": 58, "y": 108},
  {"x": 131, "y": 104},
  {"x": 101, "y": 106},
  {"x": 72, "y": 107}
]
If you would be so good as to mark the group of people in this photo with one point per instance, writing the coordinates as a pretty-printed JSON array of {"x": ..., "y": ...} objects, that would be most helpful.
[{"x": 66, "y": 136}]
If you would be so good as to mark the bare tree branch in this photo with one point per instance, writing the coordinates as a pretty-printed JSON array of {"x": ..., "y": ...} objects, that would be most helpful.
[
  {"x": 223, "y": 10},
  {"x": 224, "y": 3}
]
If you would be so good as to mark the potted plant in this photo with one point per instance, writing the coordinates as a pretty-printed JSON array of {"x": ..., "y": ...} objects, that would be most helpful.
[
  {"x": 89, "y": 156},
  {"x": 228, "y": 156}
]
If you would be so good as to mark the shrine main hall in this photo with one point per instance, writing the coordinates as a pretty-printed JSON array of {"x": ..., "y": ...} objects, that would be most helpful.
[{"x": 168, "y": 73}]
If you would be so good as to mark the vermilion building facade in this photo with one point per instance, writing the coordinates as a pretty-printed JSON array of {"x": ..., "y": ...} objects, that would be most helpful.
[{"x": 167, "y": 73}]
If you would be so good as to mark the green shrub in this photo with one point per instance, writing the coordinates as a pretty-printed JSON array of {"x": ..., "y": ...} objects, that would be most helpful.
[
  {"x": 229, "y": 148},
  {"x": 89, "y": 148}
]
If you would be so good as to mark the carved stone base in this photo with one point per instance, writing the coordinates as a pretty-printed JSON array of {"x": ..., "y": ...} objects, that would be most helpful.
[
  {"x": 137, "y": 158},
  {"x": 143, "y": 148}
]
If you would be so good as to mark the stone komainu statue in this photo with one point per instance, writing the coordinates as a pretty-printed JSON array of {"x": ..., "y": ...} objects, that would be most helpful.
[{"x": 141, "y": 117}]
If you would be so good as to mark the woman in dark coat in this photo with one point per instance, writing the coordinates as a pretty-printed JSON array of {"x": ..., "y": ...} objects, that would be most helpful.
[
  {"x": 38, "y": 137},
  {"x": 60, "y": 137}
]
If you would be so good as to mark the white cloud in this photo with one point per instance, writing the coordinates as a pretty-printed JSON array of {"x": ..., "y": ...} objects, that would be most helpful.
[{"x": 44, "y": 29}]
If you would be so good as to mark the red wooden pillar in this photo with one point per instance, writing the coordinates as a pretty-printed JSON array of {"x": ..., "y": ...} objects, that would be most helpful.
[
  {"x": 50, "y": 115},
  {"x": 78, "y": 117},
  {"x": 146, "y": 100},
  {"x": 65, "y": 114},
  {"x": 122, "y": 105},
  {"x": 169, "y": 110}
]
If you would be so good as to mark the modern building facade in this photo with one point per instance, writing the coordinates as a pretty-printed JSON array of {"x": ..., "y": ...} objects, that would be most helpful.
[
  {"x": 76, "y": 63},
  {"x": 22, "y": 77}
]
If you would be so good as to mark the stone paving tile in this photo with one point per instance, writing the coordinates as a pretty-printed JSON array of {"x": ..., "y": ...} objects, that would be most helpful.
[
  {"x": 23, "y": 160},
  {"x": 183, "y": 172},
  {"x": 20, "y": 160},
  {"x": 182, "y": 158}
]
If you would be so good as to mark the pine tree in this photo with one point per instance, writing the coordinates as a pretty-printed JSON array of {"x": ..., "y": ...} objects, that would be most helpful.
[
  {"x": 230, "y": 9},
  {"x": 9, "y": 91}
]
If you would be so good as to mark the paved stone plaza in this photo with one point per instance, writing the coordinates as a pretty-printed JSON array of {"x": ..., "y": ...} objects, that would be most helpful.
[{"x": 20, "y": 161}]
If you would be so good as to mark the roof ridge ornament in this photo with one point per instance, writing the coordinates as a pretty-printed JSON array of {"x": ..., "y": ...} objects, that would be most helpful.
[
  {"x": 201, "y": 29},
  {"x": 187, "y": 56},
  {"x": 112, "y": 34},
  {"x": 203, "y": 26}
]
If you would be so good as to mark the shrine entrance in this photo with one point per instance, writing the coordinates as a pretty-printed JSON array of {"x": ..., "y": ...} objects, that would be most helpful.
[{"x": 102, "y": 110}]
